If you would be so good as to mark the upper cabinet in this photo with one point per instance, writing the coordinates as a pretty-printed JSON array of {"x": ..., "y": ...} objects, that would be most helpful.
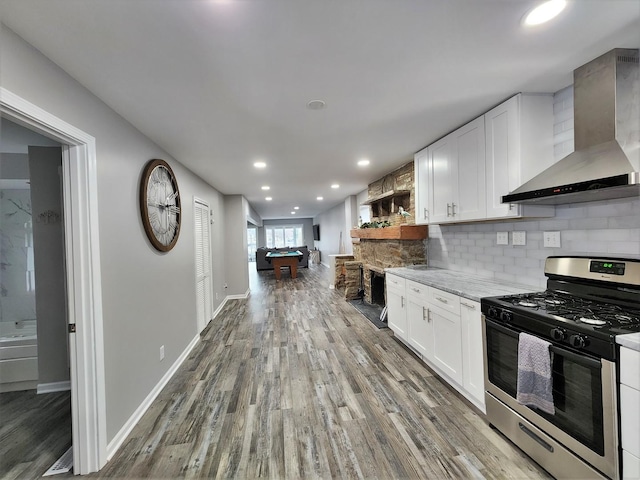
[
  {"x": 463, "y": 176},
  {"x": 519, "y": 145}
]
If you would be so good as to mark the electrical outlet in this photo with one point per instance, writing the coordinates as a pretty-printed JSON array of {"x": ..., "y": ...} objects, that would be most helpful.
[
  {"x": 519, "y": 238},
  {"x": 161, "y": 352},
  {"x": 226, "y": 286},
  {"x": 551, "y": 239},
  {"x": 502, "y": 238}
]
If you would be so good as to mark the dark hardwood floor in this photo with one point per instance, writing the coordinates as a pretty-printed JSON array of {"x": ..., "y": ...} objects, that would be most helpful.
[
  {"x": 295, "y": 383},
  {"x": 35, "y": 430}
]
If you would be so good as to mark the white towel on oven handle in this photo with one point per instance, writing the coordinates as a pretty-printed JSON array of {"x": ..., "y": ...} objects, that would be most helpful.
[{"x": 535, "y": 385}]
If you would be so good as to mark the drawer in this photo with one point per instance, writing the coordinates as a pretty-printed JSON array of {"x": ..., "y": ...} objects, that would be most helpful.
[
  {"x": 395, "y": 283},
  {"x": 630, "y": 419},
  {"x": 416, "y": 289},
  {"x": 630, "y": 367},
  {"x": 445, "y": 300}
]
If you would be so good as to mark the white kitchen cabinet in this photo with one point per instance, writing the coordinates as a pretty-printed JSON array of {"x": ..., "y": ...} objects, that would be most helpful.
[
  {"x": 519, "y": 145},
  {"x": 396, "y": 305},
  {"x": 457, "y": 175},
  {"x": 421, "y": 183},
  {"x": 420, "y": 331},
  {"x": 447, "y": 343},
  {"x": 472, "y": 353},
  {"x": 629, "y": 413}
]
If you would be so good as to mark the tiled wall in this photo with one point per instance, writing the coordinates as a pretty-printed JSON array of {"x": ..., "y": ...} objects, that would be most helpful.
[{"x": 610, "y": 228}]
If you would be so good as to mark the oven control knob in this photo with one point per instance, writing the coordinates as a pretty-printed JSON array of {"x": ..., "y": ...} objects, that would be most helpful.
[
  {"x": 506, "y": 316},
  {"x": 492, "y": 312},
  {"x": 577, "y": 341},
  {"x": 558, "y": 334}
]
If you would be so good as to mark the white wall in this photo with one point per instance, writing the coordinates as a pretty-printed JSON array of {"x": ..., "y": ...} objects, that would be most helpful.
[
  {"x": 237, "y": 273},
  {"x": 148, "y": 297},
  {"x": 608, "y": 228},
  {"x": 332, "y": 224}
]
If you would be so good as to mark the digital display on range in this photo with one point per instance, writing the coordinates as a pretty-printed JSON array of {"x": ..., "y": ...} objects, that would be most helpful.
[{"x": 611, "y": 268}]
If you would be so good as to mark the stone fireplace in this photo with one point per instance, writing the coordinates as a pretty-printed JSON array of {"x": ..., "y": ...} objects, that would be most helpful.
[{"x": 374, "y": 249}]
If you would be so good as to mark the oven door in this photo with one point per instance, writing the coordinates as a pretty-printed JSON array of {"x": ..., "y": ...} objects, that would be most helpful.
[{"x": 583, "y": 394}]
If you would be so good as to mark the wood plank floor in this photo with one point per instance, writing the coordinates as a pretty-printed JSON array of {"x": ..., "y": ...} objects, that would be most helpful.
[
  {"x": 295, "y": 383},
  {"x": 35, "y": 430}
]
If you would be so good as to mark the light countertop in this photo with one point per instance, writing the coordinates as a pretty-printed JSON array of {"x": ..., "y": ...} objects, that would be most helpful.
[
  {"x": 631, "y": 340},
  {"x": 473, "y": 287}
]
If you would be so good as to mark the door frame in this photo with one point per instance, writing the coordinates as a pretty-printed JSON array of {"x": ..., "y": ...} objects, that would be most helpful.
[
  {"x": 84, "y": 289},
  {"x": 202, "y": 203}
]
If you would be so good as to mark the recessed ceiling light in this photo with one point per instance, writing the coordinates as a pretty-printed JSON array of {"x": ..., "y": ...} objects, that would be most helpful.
[
  {"x": 335, "y": 185},
  {"x": 260, "y": 164},
  {"x": 363, "y": 163},
  {"x": 266, "y": 187},
  {"x": 268, "y": 199},
  {"x": 319, "y": 198},
  {"x": 293, "y": 213},
  {"x": 544, "y": 12},
  {"x": 316, "y": 105},
  {"x": 296, "y": 208}
]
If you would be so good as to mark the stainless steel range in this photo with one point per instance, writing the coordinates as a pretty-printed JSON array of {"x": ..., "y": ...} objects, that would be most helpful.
[{"x": 587, "y": 303}]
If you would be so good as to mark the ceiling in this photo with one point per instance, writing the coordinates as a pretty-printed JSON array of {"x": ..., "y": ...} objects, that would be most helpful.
[{"x": 222, "y": 84}]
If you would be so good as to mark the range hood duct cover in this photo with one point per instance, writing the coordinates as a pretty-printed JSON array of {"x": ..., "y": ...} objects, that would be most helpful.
[{"x": 606, "y": 161}]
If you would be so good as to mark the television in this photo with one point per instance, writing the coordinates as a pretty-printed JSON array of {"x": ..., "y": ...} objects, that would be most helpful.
[{"x": 316, "y": 232}]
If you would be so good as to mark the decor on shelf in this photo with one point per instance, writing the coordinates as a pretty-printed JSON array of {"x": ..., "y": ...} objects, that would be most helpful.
[{"x": 375, "y": 224}]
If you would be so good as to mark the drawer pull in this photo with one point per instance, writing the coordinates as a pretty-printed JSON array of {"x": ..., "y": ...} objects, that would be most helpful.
[
  {"x": 472, "y": 307},
  {"x": 417, "y": 290},
  {"x": 442, "y": 300}
]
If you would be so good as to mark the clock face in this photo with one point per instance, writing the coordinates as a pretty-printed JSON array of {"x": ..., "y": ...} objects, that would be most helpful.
[{"x": 160, "y": 205}]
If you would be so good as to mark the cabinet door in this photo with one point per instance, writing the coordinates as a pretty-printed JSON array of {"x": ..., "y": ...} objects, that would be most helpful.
[
  {"x": 472, "y": 354},
  {"x": 396, "y": 308},
  {"x": 441, "y": 181},
  {"x": 421, "y": 182},
  {"x": 470, "y": 202},
  {"x": 447, "y": 343},
  {"x": 502, "y": 139}
]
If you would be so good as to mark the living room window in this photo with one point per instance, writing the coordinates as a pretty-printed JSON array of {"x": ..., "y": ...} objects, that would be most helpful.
[{"x": 284, "y": 236}]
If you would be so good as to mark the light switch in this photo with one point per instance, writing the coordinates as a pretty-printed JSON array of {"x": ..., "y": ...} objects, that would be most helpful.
[
  {"x": 551, "y": 239},
  {"x": 502, "y": 238},
  {"x": 519, "y": 238}
]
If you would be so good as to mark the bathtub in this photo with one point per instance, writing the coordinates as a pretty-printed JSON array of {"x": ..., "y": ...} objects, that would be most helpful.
[{"x": 18, "y": 362}]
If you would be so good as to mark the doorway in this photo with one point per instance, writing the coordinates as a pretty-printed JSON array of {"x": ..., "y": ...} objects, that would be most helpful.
[
  {"x": 252, "y": 243},
  {"x": 82, "y": 251},
  {"x": 203, "y": 263}
]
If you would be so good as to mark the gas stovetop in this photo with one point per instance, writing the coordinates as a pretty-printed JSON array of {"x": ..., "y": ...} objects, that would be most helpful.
[
  {"x": 587, "y": 303},
  {"x": 582, "y": 313}
]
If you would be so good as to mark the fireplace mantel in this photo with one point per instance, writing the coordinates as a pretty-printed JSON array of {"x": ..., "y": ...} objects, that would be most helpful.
[{"x": 396, "y": 232}]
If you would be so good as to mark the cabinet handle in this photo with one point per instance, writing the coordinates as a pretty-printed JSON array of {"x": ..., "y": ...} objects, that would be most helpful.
[
  {"x": 425, "y": 314},
  {"x": 442, "y": 300},
  {"x": 426, "y": 214},
  {"x": 453, "y": 209},
  {"x": 415, "y": 289},
  {"x": 401, "y": 301},
  {"x": 472, "y": 307},
  {"x": 448, "y": 209}
]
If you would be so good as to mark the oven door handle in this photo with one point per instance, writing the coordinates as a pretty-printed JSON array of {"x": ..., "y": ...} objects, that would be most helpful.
[{"x": 583, "y": 360}]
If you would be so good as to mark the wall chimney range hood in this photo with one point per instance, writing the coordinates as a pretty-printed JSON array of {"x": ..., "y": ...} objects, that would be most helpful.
[{"x": 606, "y": 161}]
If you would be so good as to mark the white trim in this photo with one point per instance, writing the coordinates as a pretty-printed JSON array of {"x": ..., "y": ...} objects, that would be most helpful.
[
  {"x": 53, "y": 387},
  {"x": 240, "y": 296},
  {"x": 220, "y": 307},
  {"x": 84, "y": 290},
  {"x": 126, "y": 429}
]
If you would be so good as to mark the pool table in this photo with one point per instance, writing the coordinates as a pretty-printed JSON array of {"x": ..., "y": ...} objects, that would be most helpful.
[{"x": 285, "y": 259}]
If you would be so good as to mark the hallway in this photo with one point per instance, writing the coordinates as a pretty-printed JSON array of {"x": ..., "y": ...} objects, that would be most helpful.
[{"x": 295, "y": 383}]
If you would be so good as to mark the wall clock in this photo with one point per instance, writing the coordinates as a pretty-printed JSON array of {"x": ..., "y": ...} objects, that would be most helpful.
[{"x": 160, "y": 205}]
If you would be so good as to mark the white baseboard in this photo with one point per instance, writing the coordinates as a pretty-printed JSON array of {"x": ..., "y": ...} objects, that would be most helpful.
[
  {"x": 54, "y": 387},
  {"x": 126, "y": 429},
  {"x": 241, "y": 296}
]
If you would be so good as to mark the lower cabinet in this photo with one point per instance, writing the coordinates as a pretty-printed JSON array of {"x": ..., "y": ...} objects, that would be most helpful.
[
  {"x": 396, "y": 305},
  {"x": 629, "y": 413},
  {"x": 444, "y": 329}
]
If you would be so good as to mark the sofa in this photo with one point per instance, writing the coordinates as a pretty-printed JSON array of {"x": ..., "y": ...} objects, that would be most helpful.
[{"x": 263, "y": 264}]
